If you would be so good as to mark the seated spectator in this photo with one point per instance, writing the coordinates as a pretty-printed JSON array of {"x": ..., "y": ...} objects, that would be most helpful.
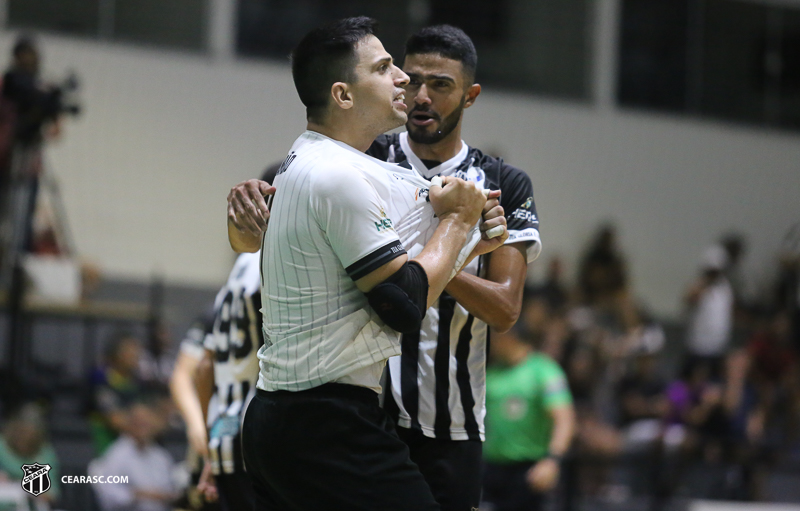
[
  {"x": 529, "y": 424},
  {"x": 24, "y": 442},
  {"x": 147, "y": 466},
  {"x": 771, "y": 350},
  {"x": 115, "y": 387},
  {"x": 643, "y": 403}
]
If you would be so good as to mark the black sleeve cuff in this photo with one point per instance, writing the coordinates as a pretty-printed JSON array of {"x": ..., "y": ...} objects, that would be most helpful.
[{"x": 375, "y": 260}]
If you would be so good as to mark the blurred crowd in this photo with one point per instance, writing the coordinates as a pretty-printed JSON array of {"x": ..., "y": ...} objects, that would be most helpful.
[{"x": 721, "y": 390}]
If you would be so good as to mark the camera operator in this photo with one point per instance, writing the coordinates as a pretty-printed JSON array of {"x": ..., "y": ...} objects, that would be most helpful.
[
  {"x": 29, "y": 113},
  {"x": 34, "y": 104}
]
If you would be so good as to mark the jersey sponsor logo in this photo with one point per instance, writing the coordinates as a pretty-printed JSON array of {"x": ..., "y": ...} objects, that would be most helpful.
[
  {"x": 36, "y": 479},
  {"x": 524, "y": 214},
  {"x": 528, "y": 203},
  {"x": 385, "y": 223}
]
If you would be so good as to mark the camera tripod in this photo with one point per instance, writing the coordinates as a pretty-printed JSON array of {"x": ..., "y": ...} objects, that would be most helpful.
[{"x": 27, "y": 180}]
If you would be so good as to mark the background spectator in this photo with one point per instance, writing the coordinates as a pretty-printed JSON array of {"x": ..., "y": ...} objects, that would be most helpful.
[
  {"x": 24, "y": 441},
  {"x": 148, "y": 466},
  {"x": 710, "y": 301}
]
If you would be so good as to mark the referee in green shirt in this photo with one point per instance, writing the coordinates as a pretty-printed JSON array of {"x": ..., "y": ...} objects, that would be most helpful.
[{"x": 530, "y": 422}]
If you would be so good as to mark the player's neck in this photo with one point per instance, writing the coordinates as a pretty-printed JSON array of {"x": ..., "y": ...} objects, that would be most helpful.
[
  {"x": 353, "y": 138},
  {"x": 442, "y": 150}
]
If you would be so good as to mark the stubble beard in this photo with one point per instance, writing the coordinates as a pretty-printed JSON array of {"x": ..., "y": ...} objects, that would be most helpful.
[{"x": 446, "y": 127}]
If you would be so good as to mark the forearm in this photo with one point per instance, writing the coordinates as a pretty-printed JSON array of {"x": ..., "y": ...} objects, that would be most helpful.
[
  {"x": 242, "y": 241},
  {"x": 440, "y": 253},
  {"x": 496, "y": 304},
  {"x": 563, "y": 430},
  {"x": 204, "y": 382},
  {"x": 495, "y": 298},
  {"x": 184, "y": 394}
]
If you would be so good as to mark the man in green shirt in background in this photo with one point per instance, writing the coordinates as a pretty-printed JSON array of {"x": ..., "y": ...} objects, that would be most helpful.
[{"x": 530, "y": 422}]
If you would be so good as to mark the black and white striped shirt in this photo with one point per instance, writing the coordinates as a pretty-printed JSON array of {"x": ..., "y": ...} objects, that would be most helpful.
[
  {"x": 235, "y": 339},
  {"x": 438, "y": 383}
]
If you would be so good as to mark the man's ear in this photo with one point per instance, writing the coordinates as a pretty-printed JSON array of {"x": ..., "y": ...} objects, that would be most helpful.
[
  {"x": 341, "y": 95},
  {"x": 472, "y": 94}
]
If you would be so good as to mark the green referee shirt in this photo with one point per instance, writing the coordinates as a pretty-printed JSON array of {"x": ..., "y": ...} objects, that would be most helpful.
[{"x": 518, "y": 400}]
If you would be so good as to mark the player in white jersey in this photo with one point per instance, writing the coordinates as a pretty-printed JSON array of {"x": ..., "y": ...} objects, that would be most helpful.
[{"x": 339, "y": 285}]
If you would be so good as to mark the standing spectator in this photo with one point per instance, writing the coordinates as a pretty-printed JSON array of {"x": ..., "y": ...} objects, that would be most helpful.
[
  {"x": 603, "y": 281},
  {"x": 529, "y": 424},
  {"x": 710, "y": 299},
  {"x": 147, "y": 465}
]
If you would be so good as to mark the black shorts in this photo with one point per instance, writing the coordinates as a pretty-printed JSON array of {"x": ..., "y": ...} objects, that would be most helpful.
[
  {"x": 235, "y": 492},
  {"x": 452, "y": 468},
  {"x": 329, "y": 448},
  {"x": 505, "y": 486}
]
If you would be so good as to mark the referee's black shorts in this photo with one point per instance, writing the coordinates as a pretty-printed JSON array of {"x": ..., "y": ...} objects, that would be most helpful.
[{"x": 329, "y": 448}]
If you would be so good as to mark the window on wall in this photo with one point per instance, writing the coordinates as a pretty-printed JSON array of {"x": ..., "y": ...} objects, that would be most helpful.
[
  {"x": 728, "y": 59},
  {"x": 171, "y": 23},
  {"x": 539, "y": 46}
]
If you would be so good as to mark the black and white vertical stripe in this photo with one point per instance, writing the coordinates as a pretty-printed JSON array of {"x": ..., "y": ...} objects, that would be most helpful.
[{"x": 437, "y": 383}]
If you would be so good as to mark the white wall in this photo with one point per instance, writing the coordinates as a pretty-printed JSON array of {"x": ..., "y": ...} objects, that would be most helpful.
[{"x": 146, "y": 169}]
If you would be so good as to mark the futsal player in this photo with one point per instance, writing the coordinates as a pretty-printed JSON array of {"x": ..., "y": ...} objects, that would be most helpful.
[
  {"x": 338, "y": 286},
  {"x": 436, "y": 388}
]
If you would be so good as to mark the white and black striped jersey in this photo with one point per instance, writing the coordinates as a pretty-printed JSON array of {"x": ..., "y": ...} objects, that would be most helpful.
[
  {"x": 192, "y": 342},
  {"x": 438, "y": 385},
  {"x": 336, "y": 216},
  {"x": 234, "y": 339}
]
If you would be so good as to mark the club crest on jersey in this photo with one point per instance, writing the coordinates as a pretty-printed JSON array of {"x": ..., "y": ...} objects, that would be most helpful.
[
  {"x": 528, "y": 203},
  {"x": 36, "y": 479},
  {"x": 475, "y": 174},
  {"x": 286, "y": 162}
]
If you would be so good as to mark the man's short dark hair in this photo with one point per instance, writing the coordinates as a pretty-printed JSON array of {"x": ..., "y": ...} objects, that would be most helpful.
[
  {"x": 449, "y": 42},
  {"x": 327, "y": 55}
]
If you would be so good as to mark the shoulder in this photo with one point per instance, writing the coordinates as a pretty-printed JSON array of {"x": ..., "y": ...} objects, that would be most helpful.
[
  {"x": 336, "y": 177},
  {"x": 382, "y": 146},
  {"x": 498, "y": 170},
  {"x": 545, "y": 366}
]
